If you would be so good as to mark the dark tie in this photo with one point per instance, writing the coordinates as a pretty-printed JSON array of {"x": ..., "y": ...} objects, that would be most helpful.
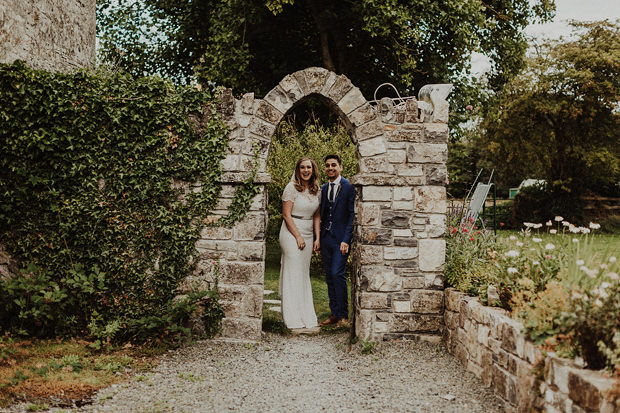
[{"x": 330, "y": 196}]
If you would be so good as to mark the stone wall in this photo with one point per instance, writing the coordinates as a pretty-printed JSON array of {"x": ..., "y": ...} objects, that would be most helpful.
[
  {"x": 55, "y": 35},
  {"x": 490, "y": 345},
  {"x": 400, "y": 206}
]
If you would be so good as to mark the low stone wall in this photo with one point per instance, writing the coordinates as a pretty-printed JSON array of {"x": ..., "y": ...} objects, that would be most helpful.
[{"x": 490, "y": 345}]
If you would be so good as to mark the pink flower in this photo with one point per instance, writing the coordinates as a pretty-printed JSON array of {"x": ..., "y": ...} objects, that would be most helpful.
[
  {"x": 469, "y": 107},
  {"x": 547, "y": 256}
]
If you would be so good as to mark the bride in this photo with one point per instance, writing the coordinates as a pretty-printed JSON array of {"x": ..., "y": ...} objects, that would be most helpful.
[{"x": 300, "y": 210}]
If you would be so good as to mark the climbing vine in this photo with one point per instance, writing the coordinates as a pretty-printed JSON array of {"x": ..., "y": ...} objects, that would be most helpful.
[{"x": 94, "y": 173}]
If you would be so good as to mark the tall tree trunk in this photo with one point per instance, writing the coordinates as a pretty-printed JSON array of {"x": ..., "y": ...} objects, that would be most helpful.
[{"x": 322, "y": 27}]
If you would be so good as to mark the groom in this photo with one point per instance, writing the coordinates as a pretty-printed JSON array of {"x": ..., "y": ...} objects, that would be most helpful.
[{"x": 337, "y": 214}]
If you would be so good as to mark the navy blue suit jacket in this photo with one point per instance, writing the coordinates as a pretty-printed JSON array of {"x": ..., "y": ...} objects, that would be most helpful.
[{"x": 343, "y": 212}]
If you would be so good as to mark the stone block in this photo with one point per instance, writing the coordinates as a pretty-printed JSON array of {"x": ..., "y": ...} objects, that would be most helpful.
[
  {"x": 216, "y": 245},
  {"x": 370, "y": 254},
  {"x": 280, "y": 99},
  {"x": 377, "y": 193},
  {"x": 230, "y": 163},
  {"x": 242, "y": 273},
  {"x": 261, "y": 128},
  {"x": 403, "y": 205},
  {"x": 241, "y": 301},
  {"x": 395, "y": 219},
  {"x": 315, "y": 79},
  {"x": 453, "y": 299},
  {"x": 362, "y": 115},
  {"x": 411, "y": 111},
  {"x": 252, "y": 250},
  {"x": 370, "y": 301},
  {"x": 216, "y": 233},
  {"x": 433, "y": 281},
  {"x": 436, "y": 227},
  {"x": 416, "y": 323},
  {"x": 406, "y": 242},
  {"x": 411, "y": 170},
  {"x": 427, "y": 153},
  {"x": 403, "y": 233},
  {"x": 587, "y": 388},
  {"x": 403, "y": 193},
  {"x": 498, "y": 379},
  {"x": 483, "y": 335},
  {"x": 340, "y": 89},
  {"x": 413, "y": 282},
  {"x": 432, "y": 254},
  {"x": 370, "y": 214},
  {"x": 435, "y": 174},
  {"x": 511, "y": 330},
  {"x": 247, "y": 104},
  {"x": 364, "y": 324},
  {"x": 427, "y": 301},
  {"x": 406, "y": 135},
  {"x": 291, "y": 88},
  {"x": 351, "y": 101},
  {"x": 371, "y": 147},
  {"x": 436, "y": 133},
  {"x": 268, "y": 113},
  {"x": 251, "y": 227},
  {"x": 380, "y": 278},
  {"x": 376, "y": 236},
  {"x": 370, "y": 130},
  {"x": 401, "y": 306},
  {"x": 400, "y": 253},
  {"x": 397, "y": 156},
  {"x": 242, "y": 328},
  {"x": 430, "y": 199},
  {"x": 376, "y": 164}
]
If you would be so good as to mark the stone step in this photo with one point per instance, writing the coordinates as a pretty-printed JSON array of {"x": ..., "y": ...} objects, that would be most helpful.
[
  {"x": 277, "y": 309},
  {"x": 267, "y": 292},
  {"x": 272, "y": 301}
]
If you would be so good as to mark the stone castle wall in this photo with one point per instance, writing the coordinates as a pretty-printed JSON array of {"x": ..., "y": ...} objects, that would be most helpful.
[
  {"x": 400, "y": 206},
  {"x": 491, "y": 345},
  {"x": 55, "y": 35}
]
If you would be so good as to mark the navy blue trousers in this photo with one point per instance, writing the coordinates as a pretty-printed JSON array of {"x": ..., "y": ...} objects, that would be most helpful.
[{"x": 334, "y": 266}]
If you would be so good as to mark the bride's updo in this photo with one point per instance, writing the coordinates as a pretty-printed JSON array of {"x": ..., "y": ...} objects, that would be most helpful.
[{"x": 313, "y": 185}]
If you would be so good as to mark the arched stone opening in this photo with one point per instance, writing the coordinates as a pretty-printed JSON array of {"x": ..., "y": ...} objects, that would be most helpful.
[{"x": 400, "y": 206}]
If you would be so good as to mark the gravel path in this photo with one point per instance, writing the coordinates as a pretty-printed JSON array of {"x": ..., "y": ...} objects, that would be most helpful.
[{"x": 301, "y": 373}]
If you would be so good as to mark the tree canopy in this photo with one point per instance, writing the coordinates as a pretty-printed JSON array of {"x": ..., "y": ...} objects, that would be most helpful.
[
  {"x": 559, "y": 119},
  {"x": 251, "y": 45}
]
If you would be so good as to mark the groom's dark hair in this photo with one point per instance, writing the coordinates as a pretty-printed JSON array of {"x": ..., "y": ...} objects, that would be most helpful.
[{"x": 336, "y": 157}]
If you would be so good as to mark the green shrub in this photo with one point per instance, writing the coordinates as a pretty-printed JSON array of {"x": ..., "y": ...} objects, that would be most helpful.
[{"x": 89, "y": 171}]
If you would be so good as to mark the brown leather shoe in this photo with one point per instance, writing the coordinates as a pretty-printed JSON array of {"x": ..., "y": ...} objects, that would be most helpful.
[
  {"x": 343, "y": 323},
  {"x": 331, "y": 320}
]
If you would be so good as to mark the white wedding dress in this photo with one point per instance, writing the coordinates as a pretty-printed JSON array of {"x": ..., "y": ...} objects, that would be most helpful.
[{"x": 295, "y": 289}]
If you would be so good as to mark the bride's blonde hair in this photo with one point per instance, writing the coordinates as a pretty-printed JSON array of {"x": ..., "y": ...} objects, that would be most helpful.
[{"x": 313, "y": 185}]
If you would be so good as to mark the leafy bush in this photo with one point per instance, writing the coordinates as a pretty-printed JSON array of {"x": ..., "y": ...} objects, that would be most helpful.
[
  {"x": 90, "y": 165},
  {"x": 539, "y": 203}
]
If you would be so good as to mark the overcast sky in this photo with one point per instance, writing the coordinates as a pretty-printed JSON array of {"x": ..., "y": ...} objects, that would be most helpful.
[{"x": 566, "y": 10}]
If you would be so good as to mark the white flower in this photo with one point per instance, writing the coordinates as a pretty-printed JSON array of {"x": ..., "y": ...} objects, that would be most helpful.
[
  {"x": 519, "y": 244},
  {"x": 575, "y": 240},
  {"x": 605, "y": 285},
  {"x": 536, "y": 239},
  {"x": 512, "y": 237},
  {"x": 594, "y": 225},
  {"x": 512, "y": 253},
  {"x": 612, "y": 276},
  {"x": 603, "y": 266},
  {"x": 579, "y": 262},
  {"x": 548, "y": 223},
  {"x": 528, "y": 224},
  {"x": 577, "y": 295},
  {"x": 566, "y": 223},
  {"x": 598, "y": 303},
  {"x": 573, "y": 229},
  {"x": 549, "y": 246},
  {"x": 553, "y": 231},
  {"x": 612, "y": 259},
  {"x": 512, "y": 270},
  {"x": 535, "y": 262},
  {"x": 537, "y": 226},
  {"x": 585, "y": 230},
  {"x": 558, "y": 218}
]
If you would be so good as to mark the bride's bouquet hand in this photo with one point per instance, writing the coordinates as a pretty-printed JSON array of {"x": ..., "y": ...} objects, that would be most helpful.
[
  {"x": 316, "y": 246},
  {"x": 301, "y": 244}
]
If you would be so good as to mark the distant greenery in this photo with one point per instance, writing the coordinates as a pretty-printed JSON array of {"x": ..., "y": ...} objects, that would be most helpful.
[{"x": 90, "y": 207}]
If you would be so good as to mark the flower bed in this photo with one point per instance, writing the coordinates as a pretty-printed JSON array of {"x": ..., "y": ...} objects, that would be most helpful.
[{"x": 550, "y": 277}]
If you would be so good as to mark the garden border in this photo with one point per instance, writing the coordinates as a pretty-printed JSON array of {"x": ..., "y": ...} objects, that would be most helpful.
[{"x": 490, "y": 345}]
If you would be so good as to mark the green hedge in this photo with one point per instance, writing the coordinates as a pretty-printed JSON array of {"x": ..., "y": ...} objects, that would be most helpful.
[{"x": 86, "y": 166}]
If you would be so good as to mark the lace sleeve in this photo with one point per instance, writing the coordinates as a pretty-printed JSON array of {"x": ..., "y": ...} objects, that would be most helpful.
[{"x": 290, "y": 193}]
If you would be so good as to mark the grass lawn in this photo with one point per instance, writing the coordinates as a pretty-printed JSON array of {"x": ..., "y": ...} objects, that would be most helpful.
[
  {"x": 272, "y": 320},
  {"x": 69, "y": 371},
  {"x": 603, "y": 243}
]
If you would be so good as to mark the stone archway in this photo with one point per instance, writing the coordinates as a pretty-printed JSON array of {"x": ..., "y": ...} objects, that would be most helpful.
[{"x": 400, "y": 206}]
